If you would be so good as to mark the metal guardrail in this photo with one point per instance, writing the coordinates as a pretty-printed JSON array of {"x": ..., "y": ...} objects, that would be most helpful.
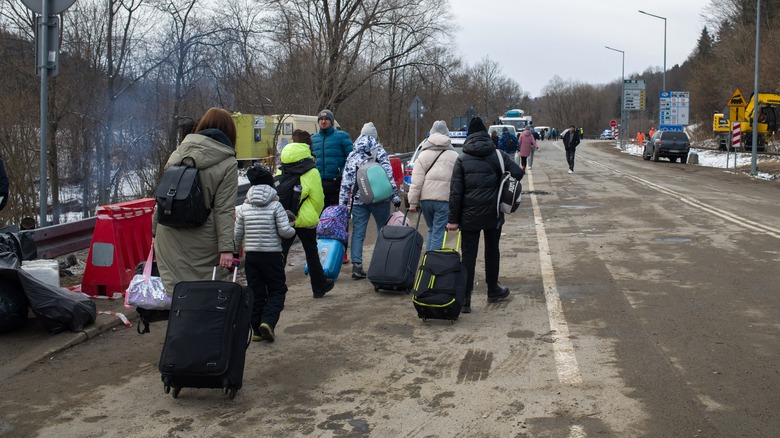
[{"x": 58, "y": 240}]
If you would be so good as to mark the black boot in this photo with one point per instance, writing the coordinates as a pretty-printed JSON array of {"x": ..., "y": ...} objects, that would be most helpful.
[
  {"x": 467, "y": 305},
  {"x": 497, "y": 293}
]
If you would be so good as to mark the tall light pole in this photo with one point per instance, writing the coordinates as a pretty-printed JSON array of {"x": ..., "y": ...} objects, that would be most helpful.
[
  {"x": 753, "y": 159},
  {"x": 623, "y": 128},
  {"x": 662, "y": 18}
]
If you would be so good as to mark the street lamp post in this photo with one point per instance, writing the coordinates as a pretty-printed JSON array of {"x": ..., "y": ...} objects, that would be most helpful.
[
  {"x": 662, "y": 18},
  {"x": 753, "y": 159},
  {"x": 623, "y": 128}
]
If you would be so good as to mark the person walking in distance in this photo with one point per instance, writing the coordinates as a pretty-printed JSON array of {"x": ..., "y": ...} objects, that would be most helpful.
[
  {"x": 527, "y": 146},
  {"x": 472, "y": 207},
  {"x": 297, "y": 160},
  {"x": 261, "y": 224},
  {"x": 571, "y": 138},
  {"x": 430, "y": 188},
  {"x": 331, "y": 148},
  {"x": 508, "y": 143},
  {"x": 366, "y": 147}
]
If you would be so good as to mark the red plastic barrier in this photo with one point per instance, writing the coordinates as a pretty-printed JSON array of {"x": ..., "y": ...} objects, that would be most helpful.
[
  {"x": 122, "y": 238},
  {"x": 398, "y": 172}
]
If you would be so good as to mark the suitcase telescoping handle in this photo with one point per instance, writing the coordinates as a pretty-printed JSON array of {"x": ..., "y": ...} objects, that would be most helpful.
[
  {"x": 235, "y": 270},
  {"x": 419, "y": 215},
  {"x": 457, "y": 243}
]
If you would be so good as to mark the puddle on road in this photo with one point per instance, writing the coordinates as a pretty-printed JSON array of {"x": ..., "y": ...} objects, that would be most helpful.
[{"x": 673, "y": 240}]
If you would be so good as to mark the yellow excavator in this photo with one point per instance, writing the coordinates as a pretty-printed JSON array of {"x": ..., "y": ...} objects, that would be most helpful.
[{"x": 765, "y": 106}]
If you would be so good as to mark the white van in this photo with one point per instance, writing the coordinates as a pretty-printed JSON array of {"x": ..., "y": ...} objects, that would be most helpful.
[{"x": 500, "y": 129}]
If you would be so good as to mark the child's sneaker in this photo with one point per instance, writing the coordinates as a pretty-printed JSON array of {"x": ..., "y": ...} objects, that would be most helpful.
[
  {"x": 266, "y": 332},
  {"x": 357, "y": 271},
  {"x": 256, "y": 336}
]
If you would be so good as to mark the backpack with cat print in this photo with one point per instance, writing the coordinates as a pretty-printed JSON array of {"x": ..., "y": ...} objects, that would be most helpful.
[{"x": 179, "y": 196}]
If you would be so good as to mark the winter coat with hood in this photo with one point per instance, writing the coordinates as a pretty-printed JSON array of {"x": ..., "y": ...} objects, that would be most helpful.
[
  {"x": 261, "y": 221},
  {"x": 297, "y": 159},
  {"x": 475, "y": 179},
  {"x": 366, "y": 147},
  {"x": 527, "y": 141},
  {"x": 431, "y": 180},
  {"x": 331, "y": 147},
  {"x": 191, "y": 253},
  {"x": 507, "y": 142}
]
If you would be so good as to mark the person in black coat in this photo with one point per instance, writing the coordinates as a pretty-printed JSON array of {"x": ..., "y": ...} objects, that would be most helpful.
[
  {"x": 473, "y": 207},
  {"x": 571, "y": 138}
]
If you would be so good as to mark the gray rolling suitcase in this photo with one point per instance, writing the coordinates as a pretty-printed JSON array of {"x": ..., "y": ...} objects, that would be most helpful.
[
  {"x": 396, "y": 256},
  {"x": 208, "y": 333}
]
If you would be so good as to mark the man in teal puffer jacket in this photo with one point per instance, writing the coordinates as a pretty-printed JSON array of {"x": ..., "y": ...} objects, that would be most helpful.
[{"x": 331, "y": 148}]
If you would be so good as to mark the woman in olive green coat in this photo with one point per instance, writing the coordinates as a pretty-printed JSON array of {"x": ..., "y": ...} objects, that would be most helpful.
[{"x": 185, "y": 254}]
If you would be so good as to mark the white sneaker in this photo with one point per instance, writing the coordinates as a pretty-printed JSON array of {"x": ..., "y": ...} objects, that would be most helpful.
[
  {"x": 571, "y": 171},
  {"x": 529, "y": 167}
]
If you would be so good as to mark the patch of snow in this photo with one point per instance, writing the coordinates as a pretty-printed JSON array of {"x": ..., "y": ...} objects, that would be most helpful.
[{"x": 716, "y": 159}]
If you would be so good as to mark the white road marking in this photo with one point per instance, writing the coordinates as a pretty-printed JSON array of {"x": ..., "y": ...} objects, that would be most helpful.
[
  {"x": 565, "y": 359},
  {"x": 731, "y": 217}
]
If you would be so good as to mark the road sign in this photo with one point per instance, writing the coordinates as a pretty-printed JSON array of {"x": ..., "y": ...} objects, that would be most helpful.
[
  {"x": 55, "y": 6},
  {"x": 634, "y": 94},
  {"x": 612, "y": 123},
  {"x": 737, "y": 100},
  {"x": 674, "y": 108},
  {"x": 416, "y": 109}
]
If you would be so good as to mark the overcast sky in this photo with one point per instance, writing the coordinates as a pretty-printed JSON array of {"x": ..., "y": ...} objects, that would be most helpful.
[{"x": 530, "y": 38}]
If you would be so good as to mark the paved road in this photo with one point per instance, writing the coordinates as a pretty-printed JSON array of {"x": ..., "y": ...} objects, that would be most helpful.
[{"x": 644, "y": 303}]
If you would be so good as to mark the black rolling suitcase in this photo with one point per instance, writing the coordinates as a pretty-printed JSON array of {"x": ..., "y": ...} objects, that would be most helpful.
[
  {"x": 208, "y": 334},
  {"x": 440, "y": 285},
  {"x": 395, "y": 257}
]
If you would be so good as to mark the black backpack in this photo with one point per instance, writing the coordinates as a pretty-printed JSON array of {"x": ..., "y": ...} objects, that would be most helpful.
[
  {"x": 180, "y": 200},
  {"x": 288, "y": 188}
]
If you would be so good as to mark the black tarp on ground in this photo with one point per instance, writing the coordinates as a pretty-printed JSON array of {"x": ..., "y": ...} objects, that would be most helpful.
[{"x": 57, "y": 309}]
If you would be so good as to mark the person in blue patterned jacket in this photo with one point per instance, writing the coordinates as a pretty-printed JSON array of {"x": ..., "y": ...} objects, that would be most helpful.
[{"x": 366, "y": 146}]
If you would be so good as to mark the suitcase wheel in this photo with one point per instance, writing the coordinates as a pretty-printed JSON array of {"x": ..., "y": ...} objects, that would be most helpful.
[
  {"x": 376, "y": 288},
  {"x": 175, "y": 392},
  {"x": 167, "y": 389},
  {"x": 232, "y": 393}
]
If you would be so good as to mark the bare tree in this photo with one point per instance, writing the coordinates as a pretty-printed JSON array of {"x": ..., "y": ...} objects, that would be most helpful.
[{"x": 348, "y": 41}]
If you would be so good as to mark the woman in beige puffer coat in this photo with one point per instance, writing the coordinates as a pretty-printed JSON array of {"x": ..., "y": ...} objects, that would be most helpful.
[{"x": 430, "y": 188}]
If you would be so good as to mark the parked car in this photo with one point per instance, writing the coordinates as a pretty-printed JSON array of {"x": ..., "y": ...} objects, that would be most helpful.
[
  {"x": 668, "y": 144},
  {"x": 607, "y": 135}
]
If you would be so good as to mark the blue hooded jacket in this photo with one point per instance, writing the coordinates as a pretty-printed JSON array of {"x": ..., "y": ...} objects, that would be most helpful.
[{"x": 331, "y": 147}]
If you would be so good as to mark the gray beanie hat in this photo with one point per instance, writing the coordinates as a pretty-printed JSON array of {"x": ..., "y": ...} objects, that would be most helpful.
[
  {"x": 440, "y": 127},
  {"x": 369, "y": 130},
  {"x": 327, "y": 113}
]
